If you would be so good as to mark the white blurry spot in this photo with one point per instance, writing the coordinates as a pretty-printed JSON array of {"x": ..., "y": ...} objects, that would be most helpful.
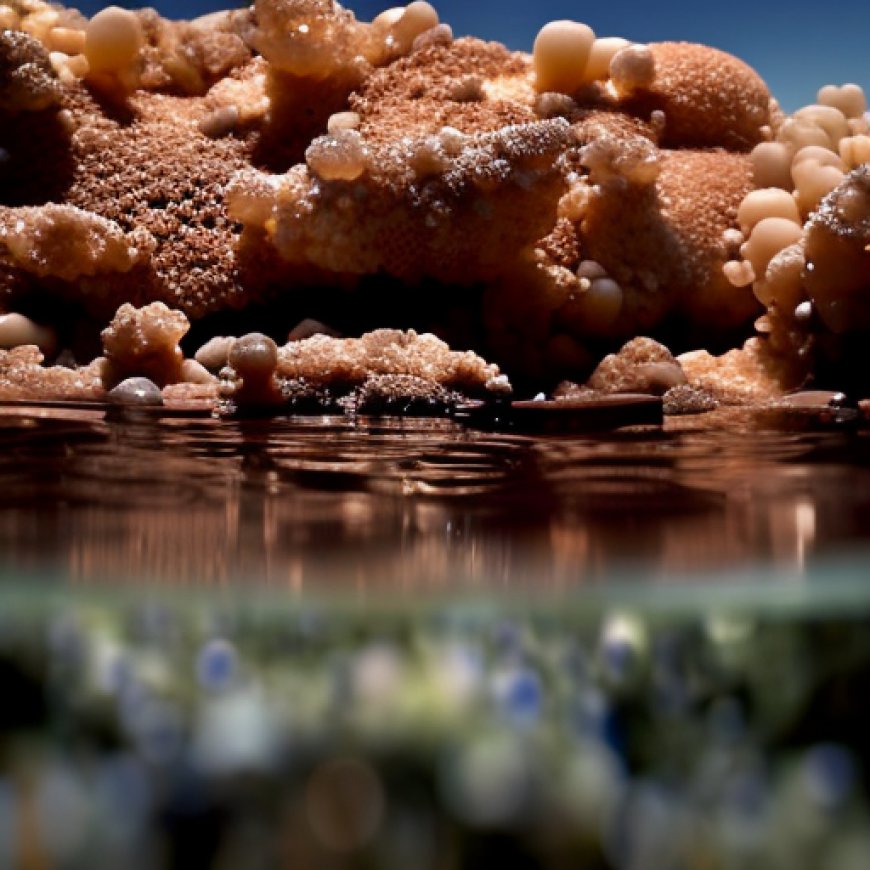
[
  {"x": 804, "y": 311},
  {"x": 344, "y": 803},
  {"x": 459, "y": 673},
  {"x": 622, "y": 646},
  {"x": 108, "y": 665},
  {"x": 730, "y": 630},
  {"x": 591, "y": 785},
  {"x": 377, "y": 674},
  {"x": 487, "y": 783},
  {"x": 235, "y": 733}
]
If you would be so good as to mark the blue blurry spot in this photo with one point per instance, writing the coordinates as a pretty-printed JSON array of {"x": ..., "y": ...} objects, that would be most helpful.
[
  {"x": 216, "y": 665},
  {"x": 521, "y": 696},
  {"x": 830, "y": 774}
]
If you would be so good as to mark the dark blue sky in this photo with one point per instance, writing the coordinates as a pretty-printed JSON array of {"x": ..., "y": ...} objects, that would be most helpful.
[{"x": 797, "y": 46}]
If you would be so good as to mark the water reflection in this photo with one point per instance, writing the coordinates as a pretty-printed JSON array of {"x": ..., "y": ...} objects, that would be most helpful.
[{"x": 415, "y": 505}]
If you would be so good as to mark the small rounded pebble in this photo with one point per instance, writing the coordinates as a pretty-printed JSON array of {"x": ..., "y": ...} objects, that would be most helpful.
[
  {"x": 16, "y": 329},
  {"x": 136, "y": 391},
  {"x": 213, "y": 355},
  {"x": 193, "y": 372},
  {"x": 220, "y": 122},
  {"x": 342, "y": 121}
]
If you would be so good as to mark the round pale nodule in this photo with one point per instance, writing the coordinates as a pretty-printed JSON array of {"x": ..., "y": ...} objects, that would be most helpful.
[
  {"x": 16, "y": 329},
  {"x": 738, "y": 272},
  {"x": 632, "y": 68},
  {"x": 855, "y": 150},
  {"x": 602, "y": 52},
  {"x": 194, "y": 372},
  {"x": 135, "y": 391},
  {"x": 560, "y": 54},
  {"x": 818, "y": 154},
  {"x": 764, "y": 203},
  {"x": 771, "y": 165},
  {"x": 213, "y": 355},
  {"x": 782, "y": 282},
  {"x": 342, "y": 121},
  {"x": 339, "y": 156},
  {"x": 849, "y": 99},
  {"x": 113, "y": 38},
  {"x": 416, "y": 18},
  {"x": 816, "y": 172},
  {"x": 591, "y": 269},
  {"x": 829, "y": 118},
  {"x": 66, "y": 39},
  {"x": 800, "y": 132},
  {"x": 420, "y": 16},
  {"x": 452, "y": 141},
  {"x": 768, "y": 238}
]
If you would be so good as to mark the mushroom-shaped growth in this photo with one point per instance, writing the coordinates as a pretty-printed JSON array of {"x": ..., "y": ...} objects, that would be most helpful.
[
  {"x": 113, "y": 40},
  {"x": 561, "y": 53}
]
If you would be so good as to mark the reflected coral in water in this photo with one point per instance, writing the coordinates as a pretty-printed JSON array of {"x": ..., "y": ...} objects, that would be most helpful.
[{"x": 326, "y": 504}]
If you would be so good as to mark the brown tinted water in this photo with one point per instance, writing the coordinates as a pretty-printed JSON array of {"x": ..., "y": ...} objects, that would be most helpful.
[{"x": 415, "y": 505}]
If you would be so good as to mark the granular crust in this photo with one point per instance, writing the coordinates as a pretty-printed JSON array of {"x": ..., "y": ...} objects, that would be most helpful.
[{"x": 205, "y": 170}]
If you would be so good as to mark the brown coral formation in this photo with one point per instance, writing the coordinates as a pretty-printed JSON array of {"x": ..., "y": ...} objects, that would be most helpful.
[
  {"x": 541, "y": 208},
  {"x": 385, "y": 370}
]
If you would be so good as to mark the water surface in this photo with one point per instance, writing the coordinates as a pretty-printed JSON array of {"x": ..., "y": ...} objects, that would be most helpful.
[{"x": 415, "y": 505}]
